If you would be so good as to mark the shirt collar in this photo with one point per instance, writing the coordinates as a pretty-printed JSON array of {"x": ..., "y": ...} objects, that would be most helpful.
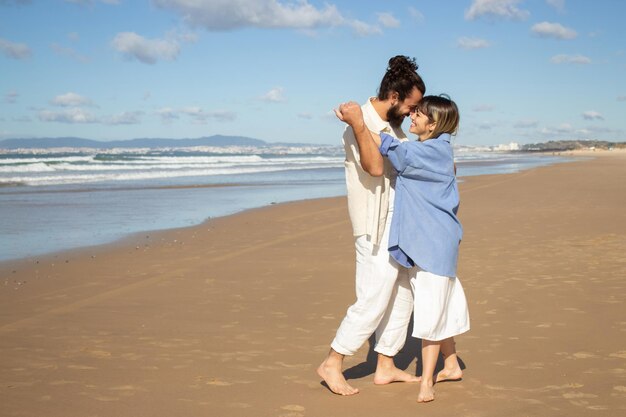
[
  {"x": 444, "y": 136},
  {"x": 373, "y": 119}
]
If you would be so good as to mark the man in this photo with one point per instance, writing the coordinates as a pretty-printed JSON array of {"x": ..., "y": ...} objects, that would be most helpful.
[{"x": 384, "y": 299}]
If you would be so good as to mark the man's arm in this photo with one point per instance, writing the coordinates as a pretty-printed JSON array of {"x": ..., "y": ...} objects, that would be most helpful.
[{"x": 371, "y": 159}]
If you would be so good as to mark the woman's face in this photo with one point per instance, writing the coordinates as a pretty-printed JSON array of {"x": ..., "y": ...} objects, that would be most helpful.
[{"x": 420, "y": 125}]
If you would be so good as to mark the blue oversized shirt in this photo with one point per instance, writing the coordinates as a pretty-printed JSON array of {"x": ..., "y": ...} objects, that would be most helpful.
[{"x": 424, "y": 229}]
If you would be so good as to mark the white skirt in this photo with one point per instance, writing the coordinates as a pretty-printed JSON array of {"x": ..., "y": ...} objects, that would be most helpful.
[{"x": 440, "y": 309}]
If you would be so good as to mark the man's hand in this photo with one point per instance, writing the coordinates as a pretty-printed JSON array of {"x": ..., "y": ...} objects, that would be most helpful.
[{"x": 351, "y": 113}]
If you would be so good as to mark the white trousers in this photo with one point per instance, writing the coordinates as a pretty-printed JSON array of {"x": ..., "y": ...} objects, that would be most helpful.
[
  {"x": 384, "y": 301},
  {"x": 440, "y": 306}
]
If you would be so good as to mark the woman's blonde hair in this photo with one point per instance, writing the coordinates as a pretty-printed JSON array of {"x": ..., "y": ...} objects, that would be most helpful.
[{"x": 442, "y": 111}]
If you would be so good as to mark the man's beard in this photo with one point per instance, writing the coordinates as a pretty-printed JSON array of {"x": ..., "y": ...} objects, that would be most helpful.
[{"x": 394, "y": 116}]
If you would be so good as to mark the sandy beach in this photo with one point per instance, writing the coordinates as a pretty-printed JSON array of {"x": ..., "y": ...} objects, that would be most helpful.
[{"x": 232, "y": 317}]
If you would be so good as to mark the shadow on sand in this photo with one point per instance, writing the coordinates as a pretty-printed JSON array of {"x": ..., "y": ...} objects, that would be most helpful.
[{"x": 412, "y": 350}]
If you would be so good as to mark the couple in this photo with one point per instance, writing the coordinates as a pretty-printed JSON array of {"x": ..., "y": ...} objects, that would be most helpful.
[{"x": 406, "y": 261}]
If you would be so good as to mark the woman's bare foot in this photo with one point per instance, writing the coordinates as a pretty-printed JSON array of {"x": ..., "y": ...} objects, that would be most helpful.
[
  {"x": 389, "y": 375},
  {"x": 450, "y": 374},
  {"x": 427, "y": 392},
  {"x": 336, "y": 382}
]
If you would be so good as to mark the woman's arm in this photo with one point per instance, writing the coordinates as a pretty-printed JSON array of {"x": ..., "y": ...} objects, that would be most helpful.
[{"x": 371, "y": 159}]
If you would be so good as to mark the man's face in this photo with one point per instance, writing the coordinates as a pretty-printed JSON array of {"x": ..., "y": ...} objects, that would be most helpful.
[{"x": 402, "y": 109}]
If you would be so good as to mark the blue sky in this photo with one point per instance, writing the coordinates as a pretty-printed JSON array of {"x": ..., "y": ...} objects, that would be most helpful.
[{"x": 523, "y": 71}]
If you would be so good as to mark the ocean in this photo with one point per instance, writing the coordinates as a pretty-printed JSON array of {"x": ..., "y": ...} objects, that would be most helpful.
[{"x": 54, "y": 200}]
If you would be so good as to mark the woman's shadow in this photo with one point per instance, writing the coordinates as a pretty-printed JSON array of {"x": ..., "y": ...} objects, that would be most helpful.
[{"x": 412, "y": 350}]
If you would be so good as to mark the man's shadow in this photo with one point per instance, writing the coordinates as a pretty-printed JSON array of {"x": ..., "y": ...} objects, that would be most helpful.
[{"x": 412, "y": 350}]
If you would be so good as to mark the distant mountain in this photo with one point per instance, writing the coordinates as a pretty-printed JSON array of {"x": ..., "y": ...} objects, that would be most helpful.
[{"x": 69, "y": 142}]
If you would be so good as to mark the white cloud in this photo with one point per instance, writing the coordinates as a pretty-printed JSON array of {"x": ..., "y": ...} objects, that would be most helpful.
[
  {"x": 553, "y": 30},
  {"x": 557, "y": 4},
  {"x": 148, "y": 51},
  {"x": 197, "y": 114},
  {"x": 526, "y": 124},
  {"x": 570, "y": 59},
  {"x": 472, "y": 43},
  {"x": 416, "y": 14},
  {"x": 220, "y": 15},
  {"x": 11, "y": 97},
  {"x": 364, "y": 29},
  {"x": 177, "y": 35},
  {"x": 496, "y": 9},
  {"x": 563, "y": 128},
  {"x": 167, "y": 114},
  {"x": 566, "y": 130},
  {"x": 592, "y": 115},
  {"x": 125, "y": 118},
  {"x": 73, "y": 115},
  {"x": 483, "y": 108},
  {"x": 14, "y": 50},
  {"x": 388, "y": 20},
  {"x": 233, "y": 14},
  {"x": 71, "y": 100},
  {"x": 69, "y": 52},
  {"x": 275, "y": 95},
  {"x": 621, "y": 98}
]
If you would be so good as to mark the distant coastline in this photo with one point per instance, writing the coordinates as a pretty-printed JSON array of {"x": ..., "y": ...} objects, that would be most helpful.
[
  {"x": 150, "y": 143},
  {"x": 572, "y": 145},
  {"x": 238, "y": 144}
]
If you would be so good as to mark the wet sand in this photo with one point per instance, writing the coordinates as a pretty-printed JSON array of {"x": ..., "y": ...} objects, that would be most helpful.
[{"x": 232, "y": 317}]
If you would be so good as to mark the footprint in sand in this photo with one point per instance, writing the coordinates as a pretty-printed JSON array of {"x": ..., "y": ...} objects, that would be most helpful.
[
  {"x": 620, "y": 389},
  {"x": 302, "y": 366},
  {"x": 102, "y": 354},
  {"x": 584, "y": 355},
  {"x": 572, "y": 395},
  {"x": 127, "y": 389},
  {"x": 62, "y": 382},
  {"x": 621, "y": 354},
  {"x": 98, "y": 397},
  {"x": 295, "y": 410},
  {"x": 218, "y": 382},
  {"x": 597, "y": 407},
  {"x": 81, "y": 367},
  {"x": 532, "y": 365},
  {"x": 131, "y": 356},
  {"x": 238, "y": 405},
  {"x": 292, "y": 407}
]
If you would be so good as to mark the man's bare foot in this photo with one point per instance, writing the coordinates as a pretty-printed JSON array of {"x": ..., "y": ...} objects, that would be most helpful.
[
  {"x": 335, "y": 380},
  {"x": 427, "y": 393},
  {"x": 389, "y": 375},
  {"x": 452, "y": 374}
]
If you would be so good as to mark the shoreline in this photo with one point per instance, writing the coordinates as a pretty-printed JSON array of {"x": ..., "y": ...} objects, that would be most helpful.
[
  {"x": 142, "y": 227},
  {"x": 232, "y": 317},
  {"x": 135, "y": 239}
]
